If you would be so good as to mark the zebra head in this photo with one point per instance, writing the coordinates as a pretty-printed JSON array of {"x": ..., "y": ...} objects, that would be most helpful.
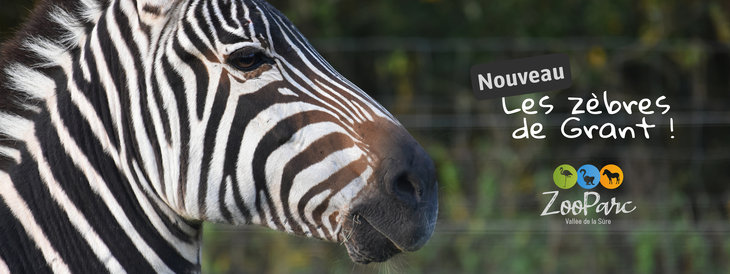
[
  {"x": 267, "y": 132},
  {"x": 150, "y": 116}
]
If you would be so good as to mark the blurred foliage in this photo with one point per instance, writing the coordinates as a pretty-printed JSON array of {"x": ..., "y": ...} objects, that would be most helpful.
[{"x": 415, "y": 56}]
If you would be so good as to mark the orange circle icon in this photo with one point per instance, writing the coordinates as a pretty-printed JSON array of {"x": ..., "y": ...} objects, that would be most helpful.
[{"x": 611, "y": 176}]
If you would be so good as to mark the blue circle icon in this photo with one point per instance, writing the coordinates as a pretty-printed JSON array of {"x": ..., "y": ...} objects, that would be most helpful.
[{"x": 588, "y": 176}]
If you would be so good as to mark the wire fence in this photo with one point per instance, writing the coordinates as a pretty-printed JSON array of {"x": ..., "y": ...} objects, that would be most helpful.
[{"x": 491, "y": 185}]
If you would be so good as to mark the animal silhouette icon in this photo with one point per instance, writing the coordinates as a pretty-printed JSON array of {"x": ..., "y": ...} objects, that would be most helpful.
[
  {"x": 566, "y": 174},
  {"x": 588, "y": 179},
  {"x": 612, "y": 177}
]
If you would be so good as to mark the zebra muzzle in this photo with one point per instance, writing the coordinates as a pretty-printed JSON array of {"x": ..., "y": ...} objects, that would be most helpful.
[{"x": 397, "y": 213}]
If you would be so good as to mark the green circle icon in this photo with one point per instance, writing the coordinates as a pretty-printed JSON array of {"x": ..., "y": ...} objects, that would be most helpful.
[{"x": 565, "y": 176}]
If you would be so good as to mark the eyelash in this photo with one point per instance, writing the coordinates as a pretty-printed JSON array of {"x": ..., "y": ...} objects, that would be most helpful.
[{"x": 248, "y": 59}]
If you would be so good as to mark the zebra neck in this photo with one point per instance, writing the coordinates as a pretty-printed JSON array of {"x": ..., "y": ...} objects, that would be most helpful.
[
  {"x": 73, "y": 193},
  {"x": 90, "y": 207}
]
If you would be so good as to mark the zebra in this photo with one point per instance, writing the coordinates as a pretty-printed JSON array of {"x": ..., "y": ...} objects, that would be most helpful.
[{"x": 127, "y": 124}]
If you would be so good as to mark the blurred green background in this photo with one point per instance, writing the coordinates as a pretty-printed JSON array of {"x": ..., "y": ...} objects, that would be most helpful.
[{"x": 414, "y": 57}]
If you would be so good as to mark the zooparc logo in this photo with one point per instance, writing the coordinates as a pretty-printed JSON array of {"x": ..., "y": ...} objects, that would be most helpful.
[{"x": 587, "y": 177}]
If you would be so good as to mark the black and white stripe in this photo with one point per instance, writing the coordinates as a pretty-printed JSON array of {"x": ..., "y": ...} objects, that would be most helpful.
[{"x": 124, "y": 125}]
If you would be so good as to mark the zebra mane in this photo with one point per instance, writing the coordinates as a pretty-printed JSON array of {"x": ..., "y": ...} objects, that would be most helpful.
[{"x": 50, "y": 31}]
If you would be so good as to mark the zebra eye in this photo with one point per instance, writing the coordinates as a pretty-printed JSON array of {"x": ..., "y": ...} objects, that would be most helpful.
[{"x": 247, "y": 59}]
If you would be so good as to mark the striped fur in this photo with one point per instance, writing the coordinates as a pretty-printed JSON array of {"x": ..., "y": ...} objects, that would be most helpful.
[{"x": 123, "y": 126}]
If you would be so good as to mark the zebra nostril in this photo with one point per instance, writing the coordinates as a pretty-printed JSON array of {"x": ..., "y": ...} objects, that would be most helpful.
[{"x": 406, "y": 188}]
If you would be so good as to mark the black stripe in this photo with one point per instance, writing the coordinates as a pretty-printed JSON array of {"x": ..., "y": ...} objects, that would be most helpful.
[
  {"x": 151, "y": 9},
  {"x": 54, "y": 222},
  {"x": 200, "y": 71},
  {"x": 248, "y": 107},
  {"x": 17, "y": 250},
  {"x": 202, "y": 23},
  {"x": 224, "y": 36},
  {"x": 222, "y": 203},
  {"x": 119, "y": 78},
  {"x": 177, "y": 85},
  {"x": 233, "y": 146},
  {"x": 187, "y": 28},
  {"x": 77, "y": 188},
  {"x": 219, "y": 105},
  {"x": 287, "y": 29},
  {"x": 334, "y": 183},
  {"x": 96, "y": 212},
  {"x": 105, "y": 166},
  {"x": 314, "y": 153},
  {"x": 280, "y": 27},
  {"x": 225, "y": 7},
  {"x": 141, "y": 85},
  {"x": 164, "y": 115},
  {"x": 278, "y": 135},
  {"x": 164, "y": 250},
  {"x": 94, "y": 92}
]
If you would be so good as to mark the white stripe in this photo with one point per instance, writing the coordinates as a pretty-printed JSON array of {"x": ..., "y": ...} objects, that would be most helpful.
[
  {"x": 195, "y": 24},
  {"x": 144, "y": 147},
  {"x": 234, "y": 13},
  {"x": 3, "y": 267},
  {"x": 46, "y": 50},
  {"x": 15, "y": 127},
  {"x": 113, "y": 102},
  {"x": 376, "y": 108},
  {"x": 88, "y": 112},
  {"x": 195, "y": 150},
  {"x": 288, "y": 92},
  {"x": 363, "y": 111},
  {"x": 215, "y": 173},
  {"x": 133, "y": 19},
  {"x": 309, "y": 211},
  {"x": 223, "y": 23},
  {"x": 343, "y": 198},
  {"x": 91, "y": 11},
  {"x": 23, "y": 214},
  {"x": 81, "y": 161},
  {"x": 355, "y": 91},
  {"x": 283, "y": 62},
  {"x": 33, "y": 84},
  {"x": 209, "y": 21},
  {"x": 83, "y": 63},
  {"x": 98, "y": 185},
  {"x": 11, "y": 153},
  {"x": 317, "y": 173},
  {"x": 254, "y": 132},
  {"x": 299, "y": 141},
  {"x": 74, "y": 33},
  {"x": 306, "y": 91},
  {"x": 354, "y": 111},
  {"x": 265, "y": 206},
  {"x": 230, "y": 203},
  {"x": 75, "y": 217},
  {"x": 169, "y": 103}
]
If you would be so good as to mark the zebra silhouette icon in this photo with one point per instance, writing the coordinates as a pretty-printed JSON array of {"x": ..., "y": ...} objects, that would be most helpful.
[{"x": 611, "y": 176}]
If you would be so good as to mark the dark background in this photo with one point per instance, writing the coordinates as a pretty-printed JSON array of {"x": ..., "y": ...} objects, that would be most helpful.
[{"x": 415, "y": 56}]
